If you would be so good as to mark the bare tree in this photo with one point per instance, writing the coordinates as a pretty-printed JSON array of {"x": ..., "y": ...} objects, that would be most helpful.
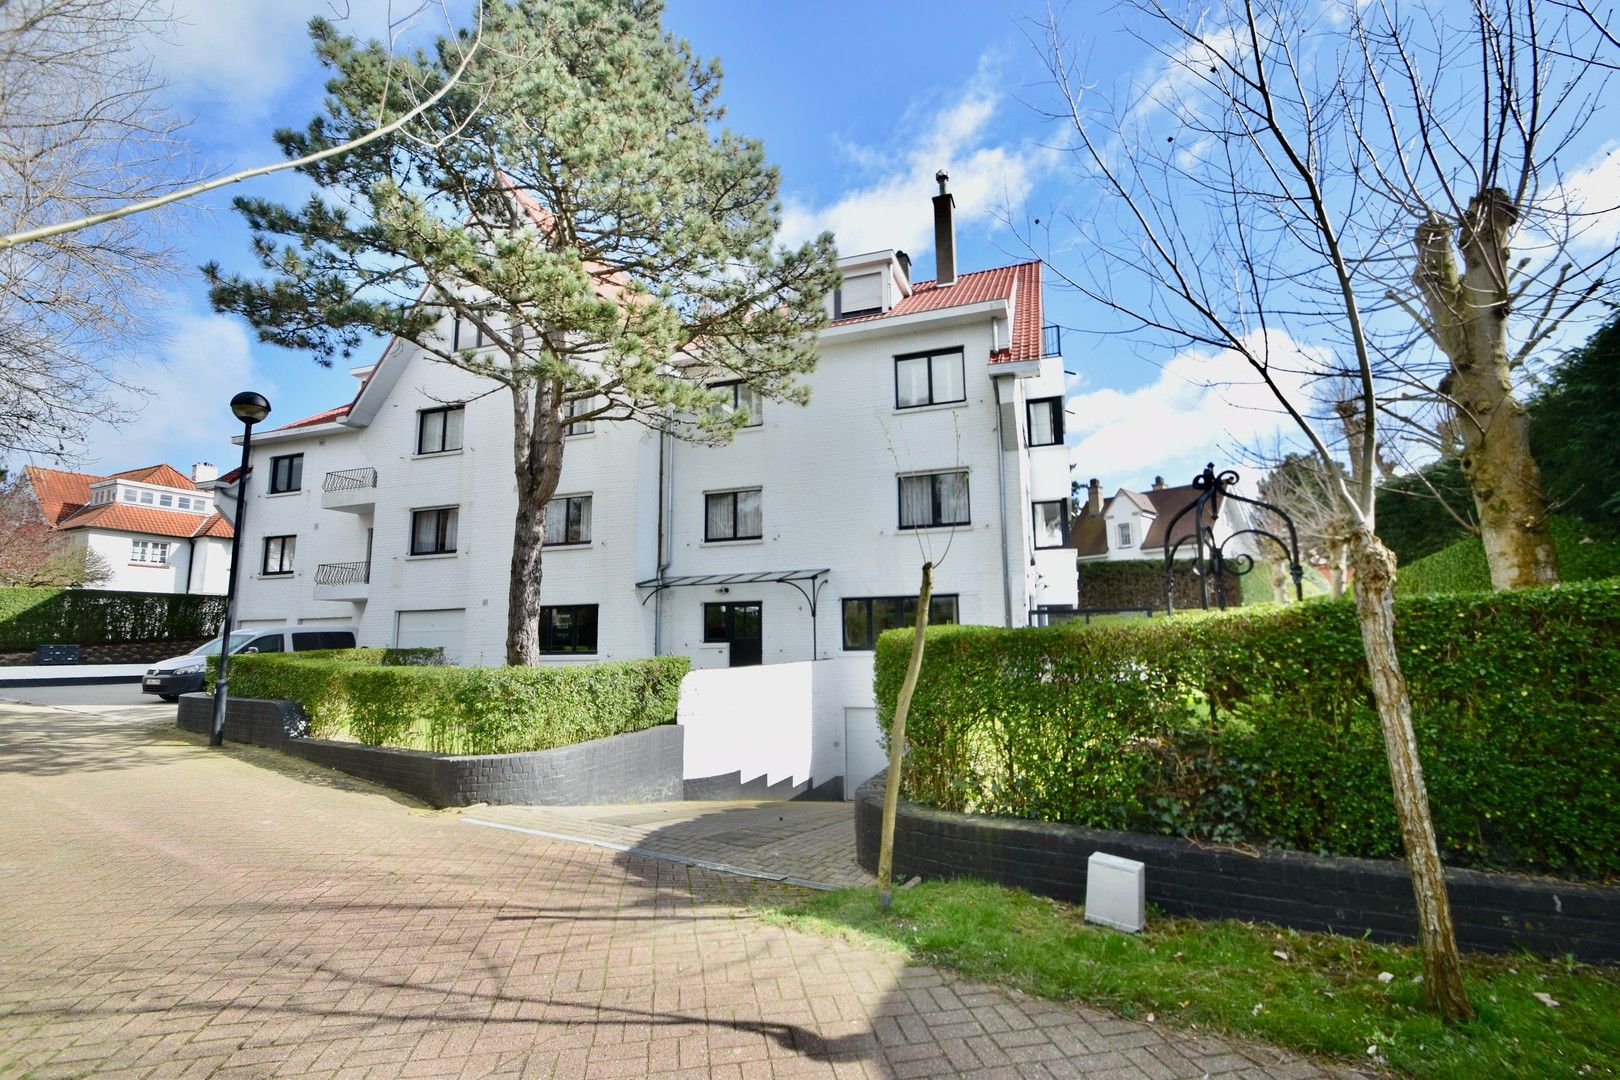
[
  {"x": 1241, "y": 207},
  {"x": 34, "y": 554}
]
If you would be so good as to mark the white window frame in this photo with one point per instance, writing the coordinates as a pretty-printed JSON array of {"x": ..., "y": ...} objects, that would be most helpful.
[{"x": 1122, "y": 533}]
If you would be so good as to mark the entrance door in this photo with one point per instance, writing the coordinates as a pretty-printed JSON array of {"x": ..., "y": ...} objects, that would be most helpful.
[{"x": 739, "y": 624}]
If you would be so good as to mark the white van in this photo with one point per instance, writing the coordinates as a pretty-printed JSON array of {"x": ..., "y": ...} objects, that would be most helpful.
[{"x": 168, "y": 679}]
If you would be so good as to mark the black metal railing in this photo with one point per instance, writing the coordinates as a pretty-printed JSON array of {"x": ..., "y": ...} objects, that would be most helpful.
[
  {"x": 350, "y": 480},
  {"x": 1052, "y": 340},
  {"x": 343, "y": 573}
]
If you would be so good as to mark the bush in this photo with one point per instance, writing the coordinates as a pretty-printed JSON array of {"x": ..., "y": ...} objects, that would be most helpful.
[
  {"x": 1258, "y": 726},
  {"x": 1585, "y": 553},
  {"x": 1139, "y": 583},
  {"x": 32, "y": 617},
  {"x": 390, "y": 698}
]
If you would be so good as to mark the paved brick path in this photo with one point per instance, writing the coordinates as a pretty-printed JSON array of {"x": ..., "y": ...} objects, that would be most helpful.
[
  {"x": 167, "y": 911},
  {"x": 808, "y": 841}
]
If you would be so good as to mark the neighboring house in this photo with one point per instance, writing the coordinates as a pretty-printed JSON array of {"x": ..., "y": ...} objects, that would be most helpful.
[
  {"x": 1137, "y": 524},
  {"x": 157, "y": 528},
  {"x": 935, "y": 415}
]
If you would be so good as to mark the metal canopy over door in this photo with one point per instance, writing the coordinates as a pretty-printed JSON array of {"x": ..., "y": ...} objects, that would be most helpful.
[{"x": 443, "y": 628}]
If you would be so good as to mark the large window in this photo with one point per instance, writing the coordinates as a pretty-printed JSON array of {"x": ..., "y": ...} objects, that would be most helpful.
[
  {"x": 733, "y": 515},
  {"x": 433, "y": 532},
  {"x": 865, "y": 617},
  {"x": 933, "y": 499},
  {"x": 1045, "y": 421},
  {"x": 568, "y": 520},
  {"x": 1051, "y": 523},
  {"x": 286, "y": 473},
  {"x": 278, "y": 554},
  {"x": 742, "y": 397},
  {"x": 568, "y": 629},
  {"x": 438, "y": 430},
  {"x": 153, "y": 552},
  {"x": 928, "y": 379},
  {"x": 579, "y": 408}
]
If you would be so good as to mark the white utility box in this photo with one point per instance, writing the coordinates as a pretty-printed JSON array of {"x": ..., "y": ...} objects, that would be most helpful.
[{"x": 1116, "y": 892}]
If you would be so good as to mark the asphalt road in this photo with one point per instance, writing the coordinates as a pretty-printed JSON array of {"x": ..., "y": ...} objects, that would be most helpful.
[{"x": 103, "y": 694}]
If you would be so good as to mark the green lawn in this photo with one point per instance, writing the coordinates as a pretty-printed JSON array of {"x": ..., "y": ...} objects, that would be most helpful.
[{"x": 1316, "y": 993}]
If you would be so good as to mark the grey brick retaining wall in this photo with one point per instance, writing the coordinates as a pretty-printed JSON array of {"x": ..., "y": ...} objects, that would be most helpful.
[
  {"x": 1492, "y": 912},
  {"x": 643, "y": 766}
]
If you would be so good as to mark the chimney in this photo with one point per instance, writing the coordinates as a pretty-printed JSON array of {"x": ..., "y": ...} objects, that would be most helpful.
[
  {"x": 944, "y": 232},
  {"x": 1158, "y": 483},
  {"x": 905, "y": 265},
  {"x": 1094, "y": 496},
  {"x": 204, "y": 471}
]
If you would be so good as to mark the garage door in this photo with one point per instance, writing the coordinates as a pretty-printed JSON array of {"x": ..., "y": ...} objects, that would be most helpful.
[{"x": 432, "y": 629}]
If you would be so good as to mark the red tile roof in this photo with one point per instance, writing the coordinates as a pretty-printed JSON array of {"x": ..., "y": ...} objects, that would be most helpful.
[
  {"x": 163, "y": 475},
  {"x": 1019, "y": 284},
  {"x": 145, "y": 519},
  {"x": 59, "y": 492},
  {"x": 325, "y": 417}
]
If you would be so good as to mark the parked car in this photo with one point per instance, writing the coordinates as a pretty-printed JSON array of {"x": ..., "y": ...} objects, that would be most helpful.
[{"x": 168, "y": 679}]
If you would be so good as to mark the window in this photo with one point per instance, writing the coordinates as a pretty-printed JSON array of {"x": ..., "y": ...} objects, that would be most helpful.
[
  {"x": 933, "y": 499},
  {"x": 147, "y": 498},
  {"x": 129, "y": 495},
  {"x": 165, "y": 499},
  {"x": 184, "y": 502},
  {"x": 153, "y": 552},
  {"x": 438, "y": 430},
  {"x": 568, "y": 520},
  {"x": 739, "y": 624},
  {"x": 866, "y": 617},
  {"x": 468, "y": 334},
  {"x": 580, "y": 407},
  {"x": 278, "y": 554},
  {"x": 928, "y": 379},
  {"x": 267, "y": 643},
  {"x": 286, "y": 473},
  {"x": 860, "y": 294},
  {"x": 733, "y": 515},
  {"x": 1051, "y": 523},
  {"x": 743, "y": 397},
  {"x": 433, "y": 532},
  {"x": 1045, "y": 421},
  {"x": 570, "y": 629},
  {"x": 1124, "y": 534},
  {"x": 322, "y": 639}
]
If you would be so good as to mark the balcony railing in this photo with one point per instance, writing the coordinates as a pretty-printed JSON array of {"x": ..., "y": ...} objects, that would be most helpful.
[
  {"x": 350, "y": 480},
  {"x": 1052, "y": 340},
  {"x": 343, "y": 573}
]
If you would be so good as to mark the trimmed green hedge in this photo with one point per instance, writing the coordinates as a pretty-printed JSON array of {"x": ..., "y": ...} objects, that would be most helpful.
[
  {"x": 1139, "y": 583},
  {"x": 1585, "y": 553},
  {"x": 32, "y": 617},
  {"x": 383, "y": 698},
  {"x": 1257, "y": 726}
]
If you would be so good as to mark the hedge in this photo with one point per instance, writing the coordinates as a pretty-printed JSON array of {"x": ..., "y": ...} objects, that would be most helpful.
[
  {"x": 1585, "y": 553},
  {"x": 383, "y": 698},
  {"x": 1139, "y": 583},
  {"x": 33, "y": 617},
  {"x": 1257, "y": 726}
]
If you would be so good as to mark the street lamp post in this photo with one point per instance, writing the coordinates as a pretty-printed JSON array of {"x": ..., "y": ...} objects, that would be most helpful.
[{"x": 249, "y": 408}]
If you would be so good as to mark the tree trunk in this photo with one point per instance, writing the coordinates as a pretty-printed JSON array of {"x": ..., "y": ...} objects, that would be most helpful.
[
  {"x": 1468, "y": 313},
  {"x": 1338, "y": 557},
  {"x": 537, "y": 450},
  {"x": 1375, "y": 611},
  {"x": 897, "y": 741},
  {"x": 1278, "y": 575}
]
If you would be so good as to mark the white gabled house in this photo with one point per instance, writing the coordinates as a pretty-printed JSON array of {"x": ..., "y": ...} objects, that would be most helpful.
[
  {"x": 935, "y": 414},
  {"x": 1137, "y": 525},
  {"x": 159, "y": 530}
]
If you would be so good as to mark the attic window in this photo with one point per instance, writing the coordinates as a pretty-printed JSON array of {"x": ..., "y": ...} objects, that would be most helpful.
[
  {"x": 1124, "y": 534},
  {"x": 862, "y": 294}
]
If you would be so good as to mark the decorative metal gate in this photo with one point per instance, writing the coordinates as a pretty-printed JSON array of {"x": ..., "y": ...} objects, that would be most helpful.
[{"x": 1210, "y": 559}]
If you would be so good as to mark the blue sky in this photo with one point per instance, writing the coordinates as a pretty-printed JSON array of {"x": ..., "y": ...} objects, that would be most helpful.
[{"x": 857, "y": 103}]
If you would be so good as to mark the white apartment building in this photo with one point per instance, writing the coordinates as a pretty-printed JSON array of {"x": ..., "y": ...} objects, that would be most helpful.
[{"x": 934, "y": 429}]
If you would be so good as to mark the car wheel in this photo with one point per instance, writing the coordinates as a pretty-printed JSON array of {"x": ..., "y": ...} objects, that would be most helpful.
[{"x": 170, "y": 697}]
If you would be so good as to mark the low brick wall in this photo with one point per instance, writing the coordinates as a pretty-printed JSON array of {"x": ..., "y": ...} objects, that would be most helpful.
[
  {"x": 1492, "y": 912},
  {"x": 643, "y": 766}
]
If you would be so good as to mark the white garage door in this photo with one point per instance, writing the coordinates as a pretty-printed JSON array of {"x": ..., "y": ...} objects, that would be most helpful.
[{"x": 430, "y": 629}]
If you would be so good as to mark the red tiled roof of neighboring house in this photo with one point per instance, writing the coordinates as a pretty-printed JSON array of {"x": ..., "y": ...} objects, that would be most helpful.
[
  {"x": 162, "y": 475},
  {"x": 1019, "y": 284},
  {"x": 1088, "y": 532},
  {"x": 326, "y": 416},
  {"x": 59, "y": 492},
  {"x": 214, "y": 525},
  {"x": 231, "y": 477},
  {"x": 144, "y": 519}
]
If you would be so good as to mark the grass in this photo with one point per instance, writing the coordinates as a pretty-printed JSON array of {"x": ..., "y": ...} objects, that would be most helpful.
[
  {"x": 1315, "y": 993},
  {"x": 1585, "y": 553}
]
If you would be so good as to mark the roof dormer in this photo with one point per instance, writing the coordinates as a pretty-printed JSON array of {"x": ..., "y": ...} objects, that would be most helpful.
[{"x": 871, "y": 284}]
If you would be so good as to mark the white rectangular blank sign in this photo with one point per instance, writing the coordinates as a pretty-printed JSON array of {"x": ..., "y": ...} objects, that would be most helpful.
[{"x": 1116, "y": 892}]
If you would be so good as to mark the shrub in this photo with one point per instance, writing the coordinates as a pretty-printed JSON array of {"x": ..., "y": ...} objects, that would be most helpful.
[
  {"x": 1139, "y": 583},
  {"x": 1258, "y": 726},
  {"x": 32, "y": 617},
  {"x": 390, "y": 698},
  {"x": 1585, "y": 553}
]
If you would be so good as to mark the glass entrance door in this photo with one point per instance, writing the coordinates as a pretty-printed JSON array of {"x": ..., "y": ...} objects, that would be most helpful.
[{"x": 741, "y": 625}]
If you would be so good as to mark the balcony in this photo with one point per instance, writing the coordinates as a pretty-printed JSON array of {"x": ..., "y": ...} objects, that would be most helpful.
[
  {"x": 1051, "y": 340},
  {"x": 343, "y": 581},
  {"x": 351, "y": 490}
]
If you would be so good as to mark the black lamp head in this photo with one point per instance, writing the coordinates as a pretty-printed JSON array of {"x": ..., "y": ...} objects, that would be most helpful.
[{"x": 250, "y": 407}]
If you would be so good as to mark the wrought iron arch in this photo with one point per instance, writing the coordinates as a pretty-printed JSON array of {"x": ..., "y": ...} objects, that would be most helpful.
[{"x": 1210, "y": 558}]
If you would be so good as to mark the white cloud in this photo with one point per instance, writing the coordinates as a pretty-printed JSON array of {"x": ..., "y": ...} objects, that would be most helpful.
[
  {"x": 1593, "y": 192},
  {"x": 1204, "y": 406},
  {"x": 203, "y": 363},
  {"x": 892, "y": 209}
]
